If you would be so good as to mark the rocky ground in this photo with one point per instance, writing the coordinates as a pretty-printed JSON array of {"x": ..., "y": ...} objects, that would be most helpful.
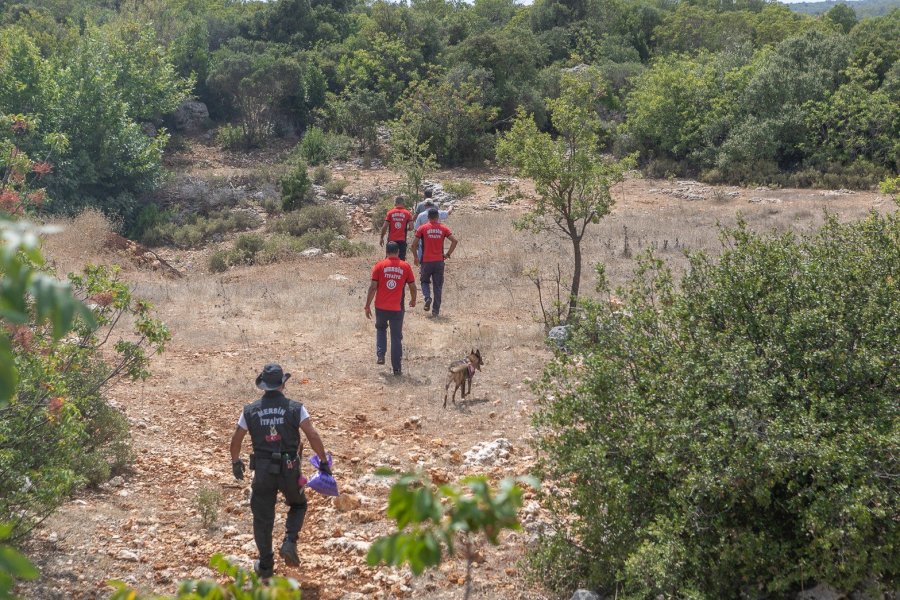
[{"x": 145, "y": 527}]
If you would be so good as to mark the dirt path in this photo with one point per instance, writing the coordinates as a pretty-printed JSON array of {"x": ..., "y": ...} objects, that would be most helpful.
[{"x": 145, "y": 529}]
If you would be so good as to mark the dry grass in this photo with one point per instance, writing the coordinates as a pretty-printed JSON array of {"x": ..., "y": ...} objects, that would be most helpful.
[{"x": 80, "y": 242}]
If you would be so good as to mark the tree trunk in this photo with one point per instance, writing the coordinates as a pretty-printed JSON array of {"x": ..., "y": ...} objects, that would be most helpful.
[{"x": 576, "y": 277}]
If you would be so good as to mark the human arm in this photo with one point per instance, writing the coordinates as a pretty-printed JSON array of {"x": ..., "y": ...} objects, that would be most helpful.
[
  {"x": 236, "y": 440},
  {"x": 384, "y": 230},
  {"x": 415, "y": 250},
  {"x": 373, "y": 287},
  {"x": 412, "y": 293},
  {"x": 237, "y": 465},
  {"x": 315, "y": 441},
  {"x": 453, "y": 242}
]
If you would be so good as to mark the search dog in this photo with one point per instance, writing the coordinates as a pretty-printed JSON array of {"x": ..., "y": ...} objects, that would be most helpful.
[{"x": 462, "y": 372}]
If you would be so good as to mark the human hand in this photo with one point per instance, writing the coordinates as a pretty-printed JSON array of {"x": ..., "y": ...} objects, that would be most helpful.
[
  {"x": 381, "y": 242},
  {"x": 323, "y": 467},
  {"x": 416, "y": 261},
  {"x": 446, "y": 256},
  {"x": 237, "y": 468},
  {"x": 412, "y": 302},
  {"x": 368, "y": 312}
]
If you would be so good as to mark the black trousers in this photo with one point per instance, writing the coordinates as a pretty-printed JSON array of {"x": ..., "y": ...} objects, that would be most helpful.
[
  {"x": 394, "y": 319},
  {"x": 264, "y": 492},
  {"x": 402, "y": 249},
  {"x": 433, "y": 272}
]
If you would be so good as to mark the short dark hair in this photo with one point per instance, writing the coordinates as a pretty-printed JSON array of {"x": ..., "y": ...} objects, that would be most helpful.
[
  {"x": 398, "y": 200},
  {"x": 392, "y": 248},
  {"x": 433, "y": 213},
  {"x": 428, "y": 192}
]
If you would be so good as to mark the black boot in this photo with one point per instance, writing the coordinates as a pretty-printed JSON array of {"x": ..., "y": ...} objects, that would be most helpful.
[
  {"x": 263, "y": 573},
  {"x": 288, "y": 553}
]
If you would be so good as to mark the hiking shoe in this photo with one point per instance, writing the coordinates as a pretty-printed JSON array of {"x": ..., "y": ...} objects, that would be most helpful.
[
  {"x": 263, "y": 573},
  {"x": 380, "y": 360},
  {"x": 288, "y": 553},
  {"x": 427, "y": 304},
  {"x": 398, "y": 373}
]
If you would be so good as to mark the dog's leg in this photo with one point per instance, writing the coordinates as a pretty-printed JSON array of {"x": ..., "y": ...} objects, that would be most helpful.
[{"x": 446, "y": 391}]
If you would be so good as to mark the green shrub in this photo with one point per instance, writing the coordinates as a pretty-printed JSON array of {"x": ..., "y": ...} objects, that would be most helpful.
[
  {"x": 208, "y": 500},
  {"x": 349, "y": 249},
  {"x": 296, "y": 188},
  {"x": 280, "y": 247},
  {"x": 460, "y": 188},
  {"x": 434, "y": 520},
  {"x": 200, "y": 229},
  {"x": 148, "y": 225},
  {"x": 230, "y": 137},
  {"x": 218, "y": 261},
  {"x": 61, "y": 433},
  {"x": 318, "y": 238},
  {"x": 313, "y": 147},
  {"x": 336, "y": 187},
  {"x": 321, "y": 175},
  {"x": 312, "y": 218},
  {"x": 249, "y": 243},
  {"x": 381, "y": 210},
  {"x": 271, "y": 206},
  {"x": 729, "y": 435},
  {"x": 318, "y": 147}
]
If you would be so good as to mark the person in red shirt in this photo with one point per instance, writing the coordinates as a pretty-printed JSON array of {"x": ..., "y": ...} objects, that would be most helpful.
[
  {"x": 396, "y": 223},
  {"x": 388, "y": 278},
  {"x": 432, "y": 235}
]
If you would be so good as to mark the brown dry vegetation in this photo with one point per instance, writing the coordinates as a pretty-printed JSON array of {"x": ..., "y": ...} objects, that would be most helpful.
[{"x": 308, "y": 317}]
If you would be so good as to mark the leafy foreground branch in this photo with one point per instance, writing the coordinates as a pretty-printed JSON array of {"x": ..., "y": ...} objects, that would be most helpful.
[
  {"x": 242, "y": 585},
  {"x": 433, "y": 520}
]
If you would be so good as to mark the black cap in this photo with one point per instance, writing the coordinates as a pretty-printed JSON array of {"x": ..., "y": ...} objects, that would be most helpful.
[
  {"x": 433, "y": 213},
  {"x": 392, "y": 248},
  {"x": 272, "y": 377}
]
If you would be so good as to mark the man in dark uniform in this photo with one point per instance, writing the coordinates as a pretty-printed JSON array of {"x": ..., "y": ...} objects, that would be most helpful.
[{"x": 274, "y": 423}]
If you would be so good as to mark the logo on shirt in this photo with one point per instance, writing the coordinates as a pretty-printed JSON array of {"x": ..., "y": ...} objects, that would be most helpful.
[
  {"x": 391, "y": 284},
  {"x": 398, "y": 225},
  {"x": 273, "y": 436}
]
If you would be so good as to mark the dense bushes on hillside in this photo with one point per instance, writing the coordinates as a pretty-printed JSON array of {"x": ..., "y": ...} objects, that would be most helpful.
[
  {"x": 744, "y": 92},
  {"x": 734, "y": 436}
]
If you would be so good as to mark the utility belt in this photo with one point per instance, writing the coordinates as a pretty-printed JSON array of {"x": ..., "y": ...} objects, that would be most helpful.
[{"x": 274, "y": 463}]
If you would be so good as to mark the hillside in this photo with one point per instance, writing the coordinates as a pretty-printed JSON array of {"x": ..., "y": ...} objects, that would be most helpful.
[
  {"x": 862, "y": 8},
  {"x": 145, "y": 527}
]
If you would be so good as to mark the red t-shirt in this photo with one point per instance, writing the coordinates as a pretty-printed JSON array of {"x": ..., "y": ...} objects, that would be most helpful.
[
  {"x": 391, "y": 274},
  {"x": 398, "y": 217},
  {"x": 432, "y": 236}
]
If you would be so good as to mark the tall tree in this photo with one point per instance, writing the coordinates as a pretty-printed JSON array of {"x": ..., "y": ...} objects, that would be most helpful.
[{"x": 572, "y": 178}]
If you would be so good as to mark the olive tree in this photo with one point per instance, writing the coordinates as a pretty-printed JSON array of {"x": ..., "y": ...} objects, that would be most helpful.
[{"x": 571, "y": 177}]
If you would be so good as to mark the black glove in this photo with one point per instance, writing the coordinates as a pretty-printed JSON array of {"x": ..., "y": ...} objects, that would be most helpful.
[
  {"x": 324, "y": 468},
  {"x": 237, "y": 467}
]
